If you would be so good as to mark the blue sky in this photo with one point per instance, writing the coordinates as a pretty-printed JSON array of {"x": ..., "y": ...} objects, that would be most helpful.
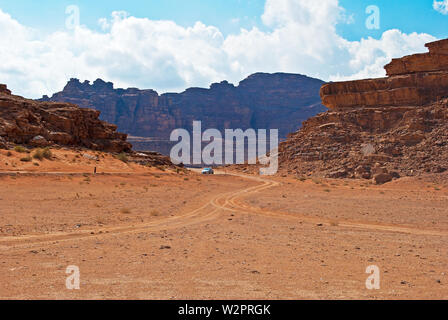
[
  {"x": 228, "y": 15},
  {"x": 159, "y": 44}
]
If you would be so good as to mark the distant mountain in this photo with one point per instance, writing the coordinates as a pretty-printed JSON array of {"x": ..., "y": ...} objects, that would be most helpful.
[{"x": 261, "y": 101}]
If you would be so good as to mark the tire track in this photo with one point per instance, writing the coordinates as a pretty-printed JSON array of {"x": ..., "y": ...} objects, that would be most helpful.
[
  {"x": 239, "y": 204},
  {"x": 232, "y": 201},
  {"x": 207, "y": 212}
]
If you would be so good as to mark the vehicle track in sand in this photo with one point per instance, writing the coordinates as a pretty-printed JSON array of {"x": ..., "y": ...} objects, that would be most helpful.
[
  {"x": 237, "y": 203},
  {"x": 232, "y": 201}
]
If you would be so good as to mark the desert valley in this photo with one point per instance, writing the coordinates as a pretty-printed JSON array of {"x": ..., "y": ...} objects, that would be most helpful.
[{"x": 363, "y": 183}]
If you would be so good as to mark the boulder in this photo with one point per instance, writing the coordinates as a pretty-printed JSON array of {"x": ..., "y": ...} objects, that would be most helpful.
[
  {"x": 382, "y": 178},
  {"x": 39, "y": 141}
]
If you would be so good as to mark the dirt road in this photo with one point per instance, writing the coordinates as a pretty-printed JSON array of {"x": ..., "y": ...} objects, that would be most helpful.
[{"x": 212, "y": 237}]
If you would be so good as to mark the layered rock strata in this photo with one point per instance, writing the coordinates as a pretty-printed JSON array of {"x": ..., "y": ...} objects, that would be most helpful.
[
  {"x": 24, "y": 121},
  {"x": 415, "y": 80},
  {"x": 378, "y": 129},
  {"x": 261, "y": 101}
]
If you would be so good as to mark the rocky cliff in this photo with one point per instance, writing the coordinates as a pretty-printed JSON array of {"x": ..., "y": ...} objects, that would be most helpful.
[
  {"x": 378, "y": 128},
  {"x": 262, "y": 100},
  {"x": 24, "y": 121},
  {"x": 414, "y": 80}
]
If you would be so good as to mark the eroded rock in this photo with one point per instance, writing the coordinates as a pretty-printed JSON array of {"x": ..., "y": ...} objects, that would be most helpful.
[
  {"x": 378, "y": 128},
  {"x": 25, "y": 121}
]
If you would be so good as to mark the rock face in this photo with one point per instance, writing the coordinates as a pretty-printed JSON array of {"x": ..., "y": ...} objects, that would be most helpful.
[
  {"x": 415, "y": 80},
  {"x": 378, "y": 128},
  {"x": 4, "y": 89},
  {"x": 24, "y": 121},
  {"x": 262, "y": 101}
]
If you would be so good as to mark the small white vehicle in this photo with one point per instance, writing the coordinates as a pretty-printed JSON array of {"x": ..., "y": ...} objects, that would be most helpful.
[{"x": 208, "y": 171}]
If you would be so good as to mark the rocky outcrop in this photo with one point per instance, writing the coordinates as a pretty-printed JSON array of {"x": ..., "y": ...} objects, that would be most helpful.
[
  {"x": 378, "y": 129},
  {"x": 280, "y": 101},
  {"x": 365, "y": 142},
  {"x": 24, "y": 121},
  {"x": 4, "y": 89},
  {"x": 434, "y": 60},
  {"x": 415, "y": 80}
]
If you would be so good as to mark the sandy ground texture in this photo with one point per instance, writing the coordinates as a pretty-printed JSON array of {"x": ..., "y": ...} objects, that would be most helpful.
[{"x": 144, "y": 233}]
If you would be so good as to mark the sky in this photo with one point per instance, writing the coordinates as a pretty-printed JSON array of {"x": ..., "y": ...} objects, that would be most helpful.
[{"x": 170, "y": 45}]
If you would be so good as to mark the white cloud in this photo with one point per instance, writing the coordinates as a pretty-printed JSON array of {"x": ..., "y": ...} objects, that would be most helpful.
[
  {"x": 162, "y": 55},
  {"x": 441, "y": 6}
]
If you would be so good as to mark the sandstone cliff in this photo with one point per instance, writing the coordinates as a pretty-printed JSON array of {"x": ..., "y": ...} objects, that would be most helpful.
[
  {"x": 24, "y": 121},
  {"x": 280, "y": 101},
  {"x": 414, "y": 80},
  {"x": 378, "y": 128}
]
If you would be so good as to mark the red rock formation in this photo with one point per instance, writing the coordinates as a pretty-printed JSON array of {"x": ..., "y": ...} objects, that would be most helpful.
[
  {"x": 24, "y": 121},
  {"x": 4, "y": 89},
  {"x": 414, "y": 80},
  {"x": 352, "y": 142},
  {"x": 281, "y": 101},
  {"x": 435, "y": 60},
  {"x": 378, "y": 128}
]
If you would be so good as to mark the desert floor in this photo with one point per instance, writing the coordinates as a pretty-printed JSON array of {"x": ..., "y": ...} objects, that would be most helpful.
[{"x": 145, "y": 233}]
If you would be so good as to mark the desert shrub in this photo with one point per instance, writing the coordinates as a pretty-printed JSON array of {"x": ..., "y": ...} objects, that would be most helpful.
[
  {"x": 41, "y": 154},
  {"x": 122, "y": 157},
  {"x": 38, "y": 155},
  {"x": 125, "y": 211},
  {"x": 26, "y": 159},
  {"x": 47, "y": 153},
  {"x": 20, "y": 149}
]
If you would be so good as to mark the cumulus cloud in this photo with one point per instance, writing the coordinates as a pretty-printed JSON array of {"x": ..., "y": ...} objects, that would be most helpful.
[
  {"x": 145, "y": 53},
  {"x": 441, "y": 6}
]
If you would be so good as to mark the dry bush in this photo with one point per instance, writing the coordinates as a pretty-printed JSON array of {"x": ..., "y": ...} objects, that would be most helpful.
[{"x": 20, "y": 149}]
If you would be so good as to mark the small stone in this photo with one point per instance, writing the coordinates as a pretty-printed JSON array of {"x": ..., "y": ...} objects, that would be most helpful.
[{"x": 382, "y": 178}]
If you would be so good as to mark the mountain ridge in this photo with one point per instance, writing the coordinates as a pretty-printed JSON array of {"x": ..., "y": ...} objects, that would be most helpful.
[{"x": 260, "y": 101}]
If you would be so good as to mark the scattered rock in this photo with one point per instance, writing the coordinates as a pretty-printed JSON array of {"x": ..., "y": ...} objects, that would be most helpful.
[
  {"x": 90, "y": 157},
  {"x": 3, "y": 144},
  {"x": 382, "y": 178},
  {"x": 39, "y": 141},
  {"x": 337, "y": 174}
]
